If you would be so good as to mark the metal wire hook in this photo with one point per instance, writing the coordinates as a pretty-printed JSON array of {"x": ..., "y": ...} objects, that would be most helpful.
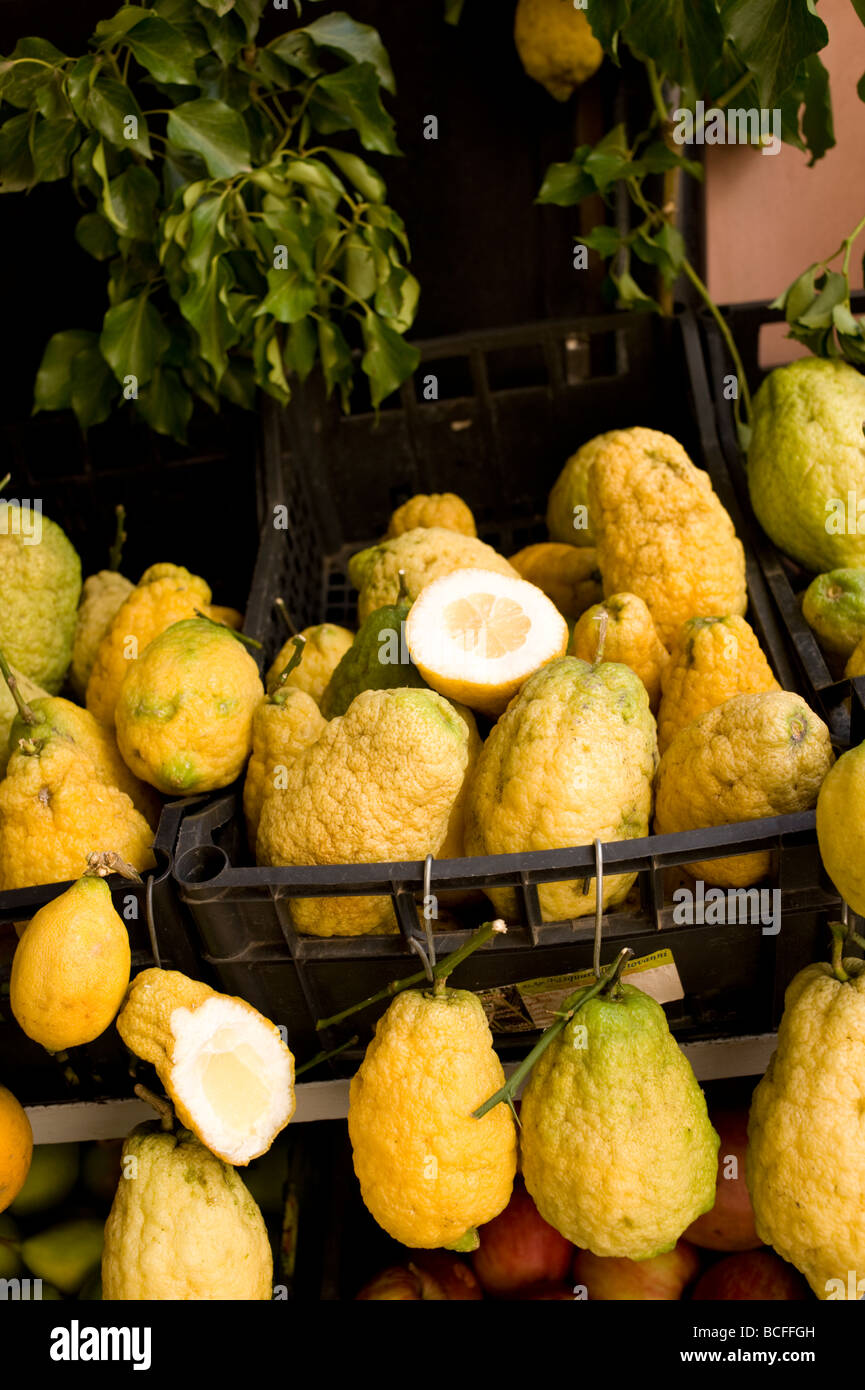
[
  {"x": 151, "y": 923},
  {"x": 599, "y": 907}
]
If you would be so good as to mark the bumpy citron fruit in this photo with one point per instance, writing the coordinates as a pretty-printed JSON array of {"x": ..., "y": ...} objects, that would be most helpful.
[
  {"x": 185, "y": 709},
  {"x": 805, "y": 1162},
  {"x": 16, "y": 1147},
  {"x": 183, "y": 1226},
  {"x": 568, "y": 518},
  {"x": 284, "y": 724},
  {"x": 224, "y": 1066},
  {"x": 567, "y": 574},
  {"x": 617, "y": 1149},
  {"x": 401, "y": 567},
  {"x": 752, "y": 757},
  {"x": 71, "y": 968},
  {"x": 631, "y": 638},
  {"x": 429, "y": 1173},
  {"x": 711, "y": 660},
  {"x": 434, "y": 509},
  {"x": 556, "y": 45},
  {"x": 476, "y": 636},
  {"x": 326, "y": 644},
  {"x": 841, "y": 826},
  {"x": 101, "y": 597},
  {"x": 833, "y": 606}
]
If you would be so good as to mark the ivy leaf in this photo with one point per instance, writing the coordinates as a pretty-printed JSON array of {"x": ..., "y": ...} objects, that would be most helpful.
[
  {"x": 53, "y": 390},
  {"x": 606, "y": 20},
  {"x": 666, "y": 250},
  {"x": 92, "y": 387},
  {"x": 336, "y": 360},
  {"x": 772, "y": 37},
  {"x": 818, "y": 126},
  {"x": 361, "y": 174},
  {"x": 96, "y": 236},
  {"x": 629, "y": 294},
  {"x": 16, "y": 160},
  {"x": 844, "y": 321},
  {"x": 107, "y": 107},
  {"x": 657, "y": 158},
  {"x": 129, "y": 202},
  {"x": 832, "y": 292},
  {"x": 219, "y": 7},
  {"x": 134, "y": 338},
  {"x": 52, "y": 145},
  {"x": 354, "y": 95},
  {"x": 166, "y": 404},
  {"x": 388, "y": 359},
  {"x": 566, "y": 184},
  {"x": 610, "y": 160},
  {"x": 108, "y": 31},
  {"x": 214, "y": 131},
  {"x": 291, "y": 295},
  {"x": 204, "y": 307},
  {"x": 797, "y": 298},
  {"x": 605, "y": 240},
  {"x": 301, "y": 348},
  {"x": 683, "y": 37},
  {"x": 359, "y": 43},
  {"x": 164, "y": 51},
  {"x": 296, "y": 49},
  {"x": 51, "y": 100},
  {"x": 268, "y": 360},
  {"x": 31, "y": 65}
]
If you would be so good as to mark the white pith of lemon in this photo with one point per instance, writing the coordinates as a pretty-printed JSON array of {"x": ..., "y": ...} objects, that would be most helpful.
[
  {"x": 476, "y": 636},
  {"x": 233, "y": 1074}
]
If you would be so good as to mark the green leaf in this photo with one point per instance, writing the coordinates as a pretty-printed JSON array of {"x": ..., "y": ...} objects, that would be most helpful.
[
  {"x": 566, "y": 184},
  {"x": 129, "y": 202},
  {"x": 268, "y": 361},
  {"x": 24, "y": 72},
  {"x": 666, "y": 250},
  {"x": 397, "y": 299},
  {"x": 354, "y": 95},
  {"x": 51, "y": 100},
  {"x": 134, "y": 339},
  {"x": 53, "y": 143},
  {"x": 336, "y": 359},
  {"x": 295, "y": 230},
  {"x": 296, "y": 49},
  {"x": 606, "y": 19},
  {"x": 818, "y": 126},
  {"x": 204, "y": 306},
  {"x": 800, "y": 295},
  {"x": 610, "y": 160},
  {"x": 206, "y": 240},
  {"x": 107, "y": 107},
  {"x": 291, "y": 295},
  {"x": 96, "y": 236},
  {"x": 605, "y": 240},
  {"x": 833, "y": 291},
  {"x": 361, "y": 174},
  {"x": 163, "y": 50},
  {"x": 53, "y": 390},
  {"x": 683, "y": 37},
  {"x": 16, "y": 159},
  {"x": 108, "y": 31},
  {"x": 359, "y": 43},
  {"x": 166, "y": 404},
  {"x": 83, "y": 173},
  {"x": 630, "y": 296},
  {"x": 772, "y": 37},
  {"x": 844, "y": 320},
  {"x": 388, "y": 359},
  {"x": 657, "y": 159},
  {"x": 220, "y": 7},
  {"x": 301, "y": 348},
  {"x": 250, "y": 12},
  {"x": 93, "y": 388},
  {"x": 214, "y": 131}
]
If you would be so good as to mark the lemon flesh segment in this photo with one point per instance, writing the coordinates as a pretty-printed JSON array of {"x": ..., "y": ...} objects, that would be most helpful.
[
  {"x": 476, "y": 636},
  {"x": 233, "y": 1075}
]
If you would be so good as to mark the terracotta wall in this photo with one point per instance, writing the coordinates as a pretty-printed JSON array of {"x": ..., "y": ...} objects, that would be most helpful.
[{"x": 769, "y": 216}]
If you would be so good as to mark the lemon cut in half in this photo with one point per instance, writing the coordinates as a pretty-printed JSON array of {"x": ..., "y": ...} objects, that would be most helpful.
[{"x": 476, "y": 636}]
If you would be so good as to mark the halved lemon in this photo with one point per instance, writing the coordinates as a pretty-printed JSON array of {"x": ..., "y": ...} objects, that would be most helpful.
[{"x": 476, "y": 636}]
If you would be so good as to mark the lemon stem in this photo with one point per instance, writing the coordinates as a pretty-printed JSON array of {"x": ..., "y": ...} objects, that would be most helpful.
[
  {"x": 441, "y": 970},
  {"x": 325, "y": 1056},
  {"x": 570, "y": 1007},
  {"x": 286, "y": 617},
  {"x": 603, "y": 623},
  {"x": 402, "y": 593},
  {"x": 839, "y": 936},
  {"x": 241, "y": 636},
  {"x": 160, "y": 1105},
  {"x": 108, "y": 861},
  {"x": 27, "y": 714},
  {"x": 116, "y": 553},
  {"x": 297, "y": 654}
]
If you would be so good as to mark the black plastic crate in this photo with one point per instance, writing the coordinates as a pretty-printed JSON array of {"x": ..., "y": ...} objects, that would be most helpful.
[
  {"x": 826, "y": 688},
  {"x": 331, "y": 482},
  {"x": 194, "y": 505}
]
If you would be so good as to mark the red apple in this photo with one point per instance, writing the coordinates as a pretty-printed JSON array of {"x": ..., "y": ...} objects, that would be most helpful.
[
  {"x": 615, "y": 1278},
  {"x": 444, "y": 1275},
  {"x": 751, "y": 1275},
  {"x": 730, "y": 1223},
  {"x": 430, "y": 1276},
  {"x": 519, "y": 1249}
]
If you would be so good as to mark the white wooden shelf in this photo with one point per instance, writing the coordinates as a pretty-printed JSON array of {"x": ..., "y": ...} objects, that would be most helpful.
[{"x": 328, "y": 1100}]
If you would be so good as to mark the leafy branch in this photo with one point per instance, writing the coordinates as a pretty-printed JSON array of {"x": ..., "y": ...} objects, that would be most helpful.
[
  {"x": 243, "y": 243},
  {"x": 817, "y": 307}
]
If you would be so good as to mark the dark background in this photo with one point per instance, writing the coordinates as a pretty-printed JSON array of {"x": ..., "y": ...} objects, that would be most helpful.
[{"x": 484, "y": 254}]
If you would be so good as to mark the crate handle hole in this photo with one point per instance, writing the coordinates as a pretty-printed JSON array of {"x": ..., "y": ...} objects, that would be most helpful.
[{"x": 201, "y": 864}]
